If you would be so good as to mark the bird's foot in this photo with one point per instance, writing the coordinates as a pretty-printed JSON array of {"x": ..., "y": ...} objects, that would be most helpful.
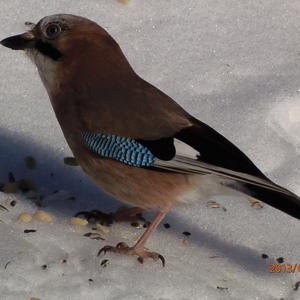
[
  {"x": 130, "y": 215},
  {"x": 140, "y": 252}
]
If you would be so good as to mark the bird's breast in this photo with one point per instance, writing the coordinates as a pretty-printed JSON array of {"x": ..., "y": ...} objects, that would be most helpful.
[{"x": 137, "y": 186}]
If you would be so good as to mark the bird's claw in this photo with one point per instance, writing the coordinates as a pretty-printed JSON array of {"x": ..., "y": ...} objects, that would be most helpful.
[
  {"x": 141, "y": 253},
  {"x": 122, "y": 245},
  {"x": 104, "y": 250},
  {"x": 155, "y": 256}
]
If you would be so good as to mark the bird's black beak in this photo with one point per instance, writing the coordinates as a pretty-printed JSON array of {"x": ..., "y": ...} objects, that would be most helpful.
[{"x": 20, "y": 41}]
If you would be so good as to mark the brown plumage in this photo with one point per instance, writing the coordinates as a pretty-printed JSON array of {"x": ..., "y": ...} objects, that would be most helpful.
[{"x": 93, "y": 89}]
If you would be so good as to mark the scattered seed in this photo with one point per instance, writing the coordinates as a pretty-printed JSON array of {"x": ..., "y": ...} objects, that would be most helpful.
[
  {"x": 212, "y": 204},
  {"x": 43, "y": 216},
  {"x": 255, "y": 203},
  {"x": 24, "y": 217},
  {"x": 296, "y": 286},
  {"x": 186, "y": 233},
  {"x": 222, "y": 288},
  {"x": 13, "y": 203},
  {"x": 167, "y": 225},
  {"x": 3, "y": 207},
  {"x": 44, "y": 267},
  {"x": 70, "y": 161},
  {"x": 264, "y": 256},
  {"x": 140, "y": 260},
  {"x": 64, "y": 261},
  {"x": 51, "y": 174},
  {"x": 136, "y": 225},
  {"x": 104, "y": 263},
  {"x": 29, "y": 230},
  {"x": 30, "y": 162},
  {"x": 78, "y": 221},
  {"x": 280, "y": 260},
  {"x": 6, "y": 265},
  {"x": 91, "y": 280},
  {"x": 102, "y": 228},
  {"x": 94, "y": 236},
  {"x": 8, "y": 200}
]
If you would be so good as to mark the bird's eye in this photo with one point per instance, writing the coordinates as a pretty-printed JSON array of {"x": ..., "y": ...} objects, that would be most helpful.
[{"x": 53, "y": 30}]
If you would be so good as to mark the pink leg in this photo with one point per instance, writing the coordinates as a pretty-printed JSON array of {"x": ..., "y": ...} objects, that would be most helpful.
[{"x": 143, "y": 239}]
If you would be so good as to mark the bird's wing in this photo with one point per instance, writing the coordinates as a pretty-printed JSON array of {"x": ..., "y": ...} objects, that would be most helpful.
[
  {"x": 201, "y": 150},
  {"x": 165, "y": 155},
  {"x": 154, "y": 120},
  {"x": 206, "y": 146},
  {"x": 138, "y": 124},
  {"x": 168, "y": 154}
]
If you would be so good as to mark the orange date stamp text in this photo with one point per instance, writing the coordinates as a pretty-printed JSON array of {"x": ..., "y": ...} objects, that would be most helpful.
[{"x": 284, "y": 268}]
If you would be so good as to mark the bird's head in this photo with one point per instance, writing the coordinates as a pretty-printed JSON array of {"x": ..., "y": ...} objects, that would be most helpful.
[{"x": 70, "y": 44}]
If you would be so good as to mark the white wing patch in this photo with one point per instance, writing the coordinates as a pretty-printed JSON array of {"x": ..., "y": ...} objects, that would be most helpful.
[{"x": 185, "y": 150}]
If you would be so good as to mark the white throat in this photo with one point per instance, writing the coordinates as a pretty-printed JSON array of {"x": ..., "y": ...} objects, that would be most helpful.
[{"x": 47, "y": 69}]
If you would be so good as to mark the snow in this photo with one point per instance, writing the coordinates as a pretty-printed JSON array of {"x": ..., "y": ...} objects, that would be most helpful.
[{"x": 232, "y": 64}]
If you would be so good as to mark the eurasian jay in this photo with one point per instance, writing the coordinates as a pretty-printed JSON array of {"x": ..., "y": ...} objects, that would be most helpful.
[{"x": 133, "y": 140}]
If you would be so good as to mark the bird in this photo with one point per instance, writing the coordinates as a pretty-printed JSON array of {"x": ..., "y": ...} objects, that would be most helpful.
[{"x": 132, "y": 139}]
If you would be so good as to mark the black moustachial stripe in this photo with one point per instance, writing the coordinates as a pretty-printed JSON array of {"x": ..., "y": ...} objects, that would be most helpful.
[{"x": 48, "y": 50}]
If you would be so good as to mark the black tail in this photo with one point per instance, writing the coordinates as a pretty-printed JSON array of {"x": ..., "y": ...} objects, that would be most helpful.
[
  {"x": 285, "y": 201},
  {"x": 216, "y": 150}
]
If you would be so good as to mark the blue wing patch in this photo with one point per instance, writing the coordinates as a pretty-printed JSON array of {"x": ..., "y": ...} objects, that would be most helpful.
[{"x": 124, "y": 149}]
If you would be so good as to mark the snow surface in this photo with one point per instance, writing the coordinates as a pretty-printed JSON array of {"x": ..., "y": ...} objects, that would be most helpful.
[{"x": 233, "y": 64}]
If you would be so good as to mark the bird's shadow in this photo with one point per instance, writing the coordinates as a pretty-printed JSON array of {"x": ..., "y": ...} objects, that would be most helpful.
[
  {"x": 51, "y": 174},
  {"x": 244, "y": 257}
]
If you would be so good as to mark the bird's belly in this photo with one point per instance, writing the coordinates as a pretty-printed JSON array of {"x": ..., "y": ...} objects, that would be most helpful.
[{"x": 140, "y": 187}]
